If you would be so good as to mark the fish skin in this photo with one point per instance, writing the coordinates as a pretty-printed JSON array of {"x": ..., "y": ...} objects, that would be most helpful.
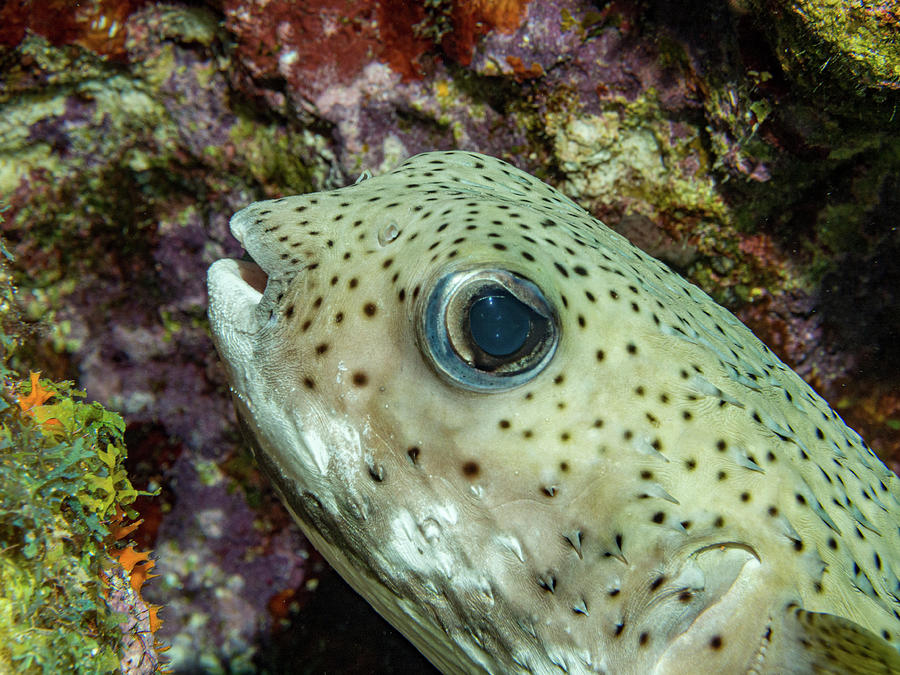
[{"x": 665, "y": 496}]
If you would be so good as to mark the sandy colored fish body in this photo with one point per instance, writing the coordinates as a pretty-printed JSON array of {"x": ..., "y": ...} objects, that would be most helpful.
[{"x": 641, "y": 487}]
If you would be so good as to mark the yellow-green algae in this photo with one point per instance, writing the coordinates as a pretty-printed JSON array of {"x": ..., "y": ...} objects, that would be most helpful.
[
  {"x": 62, "y": 478},
  {"x": 855, "y": 43},
  {"x": 632, "y": 159},
  {"x": 282, "y": 160},
  {"x": 629, "y": 153}
]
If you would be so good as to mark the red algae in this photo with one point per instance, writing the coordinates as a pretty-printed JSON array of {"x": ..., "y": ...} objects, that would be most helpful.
[
  {"x": 314, "y": 44},
  {"x": 309, "y": 44},
  {"x": 522, "y": 72},
  {"x": 473, "y": 19},
  {"x": 403, "y": 46}
]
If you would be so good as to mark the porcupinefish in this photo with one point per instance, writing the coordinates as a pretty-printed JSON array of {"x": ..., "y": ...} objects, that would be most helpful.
[{"x": 533, "y": 448}]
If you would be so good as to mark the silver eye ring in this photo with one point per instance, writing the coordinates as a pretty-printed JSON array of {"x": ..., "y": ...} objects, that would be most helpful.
[{"x": 487, "y": 329}]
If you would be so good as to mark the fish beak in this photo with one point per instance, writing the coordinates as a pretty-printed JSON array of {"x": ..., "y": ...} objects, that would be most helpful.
[{"x": 267, "y": 250}]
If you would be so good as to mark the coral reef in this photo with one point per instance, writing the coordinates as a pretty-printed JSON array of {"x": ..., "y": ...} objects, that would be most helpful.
[{"x": 753, "y": 146}]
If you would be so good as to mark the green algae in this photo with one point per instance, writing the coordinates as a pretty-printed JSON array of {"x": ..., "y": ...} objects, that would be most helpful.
[
  {"x": 59, "y": 67},
  {"x": 62, "y": 479},
  {"x": 196, "y": 25},
  {"x": 109, "y": 151},
  {"x": 633, "y": 158},
  {"x": 94, "y": 193}
]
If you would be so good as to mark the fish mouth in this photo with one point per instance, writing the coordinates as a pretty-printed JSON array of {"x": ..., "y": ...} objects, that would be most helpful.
[
  {"x": 249, "y": 270},
  {"x": 252, "y": 274},
  {"x": 236, "y": 287}
]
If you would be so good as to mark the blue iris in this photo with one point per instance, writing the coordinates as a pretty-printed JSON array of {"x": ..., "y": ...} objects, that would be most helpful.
[{"x": 499, "y": 323}]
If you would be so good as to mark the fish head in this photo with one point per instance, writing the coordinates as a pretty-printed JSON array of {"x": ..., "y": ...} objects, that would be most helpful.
[
  {"x": 468, "y": 394},
  {"x": 354, "y": 320},
  {"x": 355, "y": 316}
]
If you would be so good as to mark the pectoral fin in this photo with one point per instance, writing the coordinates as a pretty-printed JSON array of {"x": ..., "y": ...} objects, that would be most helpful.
[{"x": 824, "y": 643}]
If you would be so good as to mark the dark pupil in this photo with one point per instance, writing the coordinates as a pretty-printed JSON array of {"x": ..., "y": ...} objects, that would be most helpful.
[{"x": 499, "y": 323}]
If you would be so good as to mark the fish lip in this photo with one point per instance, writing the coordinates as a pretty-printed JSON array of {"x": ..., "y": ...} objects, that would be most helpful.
[
  {"x": 235, "y": 289},
  {"x": 240, "y": 223}
]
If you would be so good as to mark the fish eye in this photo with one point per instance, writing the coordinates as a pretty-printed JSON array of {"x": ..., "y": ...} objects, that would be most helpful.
[
  {"x": 487, "y": 329},
  {"x": 498, "y": 323}
]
